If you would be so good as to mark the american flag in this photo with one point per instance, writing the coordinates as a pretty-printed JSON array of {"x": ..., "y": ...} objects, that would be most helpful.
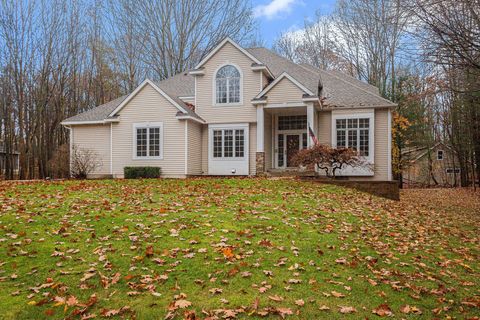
[{"x": 312, "y": 135}]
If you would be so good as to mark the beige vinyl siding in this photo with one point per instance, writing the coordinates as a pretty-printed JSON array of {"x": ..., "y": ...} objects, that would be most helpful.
[
  {"x": 149, "y": 106},
  {"x": 264, "y": 82},
  {"x": 205, "y": 149},
  {"x": 252, "y": 161},
  {"x": 284, "y": 91},
  {"x": 246, "y": 112},
  {"x": 268, "y": 141},
  {"x": 97, "y": 139},
  {"x": 325, "y": 127},
  {"x": 194, "y": 156},
  {"x": 381, "y": 144}
]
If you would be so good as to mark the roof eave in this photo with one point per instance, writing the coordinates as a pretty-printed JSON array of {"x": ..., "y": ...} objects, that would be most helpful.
[
  {"x": 197, "y": 72},
  {"x": 263, "y": 68},
  {"x": 188, "y": 117},
  {"x": 72, "y": 123}
]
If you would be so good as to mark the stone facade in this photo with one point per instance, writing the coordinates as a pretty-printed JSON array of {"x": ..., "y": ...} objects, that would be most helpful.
[{"x": 260, "y": 163}]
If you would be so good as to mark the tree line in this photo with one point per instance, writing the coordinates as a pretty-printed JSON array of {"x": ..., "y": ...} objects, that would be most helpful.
[
  {"x": 423, "y": 55},
  {"x": 59, "y": 58}
]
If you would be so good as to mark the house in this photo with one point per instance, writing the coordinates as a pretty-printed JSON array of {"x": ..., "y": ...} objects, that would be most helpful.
[
  {"x": 437, "y": 165},
  {"x": 240, "y": 111},
  {"x": 4, "y": 155}
]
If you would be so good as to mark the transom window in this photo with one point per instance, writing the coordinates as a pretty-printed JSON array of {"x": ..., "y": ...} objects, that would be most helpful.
[
  {"x": 228, "y": 143},
  {"x": 292, "y": 122},
  {"x": 147, "y": 140},
  {"x": 227, "y": 84},
  {"x": 354, "y": 134}
]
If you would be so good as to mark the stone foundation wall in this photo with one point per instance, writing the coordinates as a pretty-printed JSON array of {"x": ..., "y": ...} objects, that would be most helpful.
[
  {"x": 385, "y": 189},
  {"x": 260, "y": 163}
]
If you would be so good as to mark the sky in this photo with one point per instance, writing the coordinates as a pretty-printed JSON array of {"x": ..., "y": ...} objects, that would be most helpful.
[{"x": 277, "y": 16}]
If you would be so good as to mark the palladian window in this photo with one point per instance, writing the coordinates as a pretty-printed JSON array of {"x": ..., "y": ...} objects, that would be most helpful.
[{"x": 227, "y": 85}]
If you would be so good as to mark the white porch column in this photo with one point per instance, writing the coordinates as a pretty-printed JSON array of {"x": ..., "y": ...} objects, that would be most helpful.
[
  {"x": 260, "y": 128},
  {"x": 310, "y": 122}
]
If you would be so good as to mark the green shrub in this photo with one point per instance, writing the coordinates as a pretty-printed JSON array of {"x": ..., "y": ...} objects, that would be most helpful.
[{"x": 141, "y": 172}]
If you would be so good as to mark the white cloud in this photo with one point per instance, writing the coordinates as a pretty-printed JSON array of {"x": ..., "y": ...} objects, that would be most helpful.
[{"x": 274, "y": 8}]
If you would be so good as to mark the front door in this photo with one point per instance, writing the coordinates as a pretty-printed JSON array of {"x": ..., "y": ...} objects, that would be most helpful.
[{"x": 293, "y": 145}]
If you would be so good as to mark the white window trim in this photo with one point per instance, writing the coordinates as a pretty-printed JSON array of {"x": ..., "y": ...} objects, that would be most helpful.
[
  {"x": 371, "y": 131},
  {"x": 243, "y": 126},
  {"x": 234, "y": 157},
  {"x": 214, "y": 86},
  {"x": 136, "y": 126},
  {"x": 443, "y": 155}
]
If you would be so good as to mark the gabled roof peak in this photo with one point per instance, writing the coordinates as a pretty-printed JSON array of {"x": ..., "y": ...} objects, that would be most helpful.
[{"x": 219, "y": 46}]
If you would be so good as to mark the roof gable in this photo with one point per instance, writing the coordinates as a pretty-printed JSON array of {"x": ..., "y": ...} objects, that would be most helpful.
[
  {"x": 138, "y": 89},
  {"x": 279, "y": 79},
  {"x": 219, "y": 46}
]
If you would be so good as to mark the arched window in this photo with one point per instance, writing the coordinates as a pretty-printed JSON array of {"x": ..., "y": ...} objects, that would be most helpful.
[{"x": 227, "y": 82}]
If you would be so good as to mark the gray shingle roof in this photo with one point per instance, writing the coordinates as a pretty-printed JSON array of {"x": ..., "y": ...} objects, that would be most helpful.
[
  {"x": 336, "y": 88},
  {"x": 278, "y": 64},
  {"x": 341, "y": 90},
  {"x": 180, "y": 85},
  {"x": 99, "y": 113}
]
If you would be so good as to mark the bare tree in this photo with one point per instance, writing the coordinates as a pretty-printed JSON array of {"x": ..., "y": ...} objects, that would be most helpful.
[
  {"x": 177, "y": 34},
  {"x": 449, "y": 33},
  {"x": 83, "y": 162},
  {"x": 313, "y": 45},
  {"x": 369, "y": 34}
]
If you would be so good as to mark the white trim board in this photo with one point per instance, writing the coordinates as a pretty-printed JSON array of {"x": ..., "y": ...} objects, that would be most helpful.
[
  {"x": 186, "y": 148},
  {"x": 389, "y": 160},
  {"x": 74, "y": 123}
]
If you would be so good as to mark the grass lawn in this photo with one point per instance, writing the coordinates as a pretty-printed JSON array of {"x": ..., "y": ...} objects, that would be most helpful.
[{"x": 235, "y": 248}]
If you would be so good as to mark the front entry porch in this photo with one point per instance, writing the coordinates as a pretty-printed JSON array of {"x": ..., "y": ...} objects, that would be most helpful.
[{"x": 281, "y": 133}]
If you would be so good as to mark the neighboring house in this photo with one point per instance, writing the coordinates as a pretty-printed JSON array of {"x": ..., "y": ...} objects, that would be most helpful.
[
  {"x": 431, "y": 166},
  {"x": 241, "y": 111},
  {"x": 3, "y": 158}
]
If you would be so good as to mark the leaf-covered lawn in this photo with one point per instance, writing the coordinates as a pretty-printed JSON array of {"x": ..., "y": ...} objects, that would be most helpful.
[{"x": 235, "y": 248}]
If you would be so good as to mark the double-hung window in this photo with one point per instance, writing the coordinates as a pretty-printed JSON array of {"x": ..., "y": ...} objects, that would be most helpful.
[
  {"x": 228, "y": 143},
  {"x": 354, "y": 133},
  {"x": 147, "y": 140}
]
